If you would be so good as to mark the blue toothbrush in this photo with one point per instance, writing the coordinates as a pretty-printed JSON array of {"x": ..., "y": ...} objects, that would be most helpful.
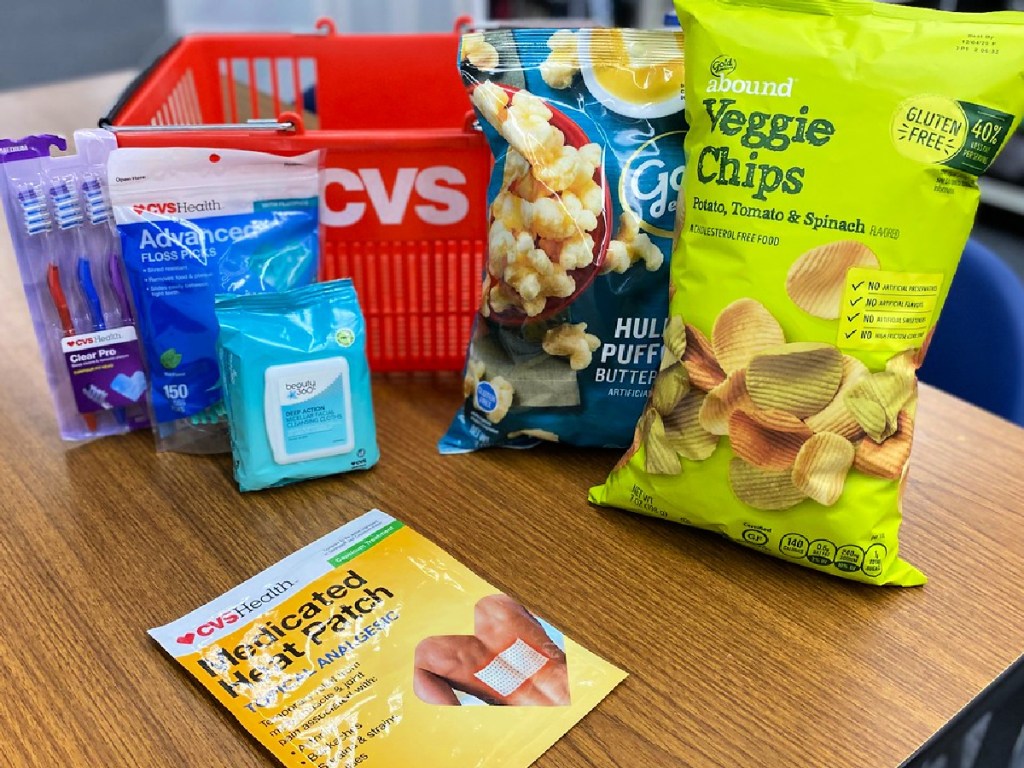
[
  {"x": 91, "y": 297},
  {"x": 97, "y": 210}
]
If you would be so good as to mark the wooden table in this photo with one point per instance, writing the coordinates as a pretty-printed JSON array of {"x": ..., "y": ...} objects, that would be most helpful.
[{"x": 735, "y": 659}]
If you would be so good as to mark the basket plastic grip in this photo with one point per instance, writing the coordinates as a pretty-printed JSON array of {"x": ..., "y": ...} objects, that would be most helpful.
[
  {"x": 326, "y": 25},
  {"x": 295, "y": 119},
  {"x": 462, "y": 23},
  {"x": 469, "y": 121},
  {"x": 114, "y": 113}
]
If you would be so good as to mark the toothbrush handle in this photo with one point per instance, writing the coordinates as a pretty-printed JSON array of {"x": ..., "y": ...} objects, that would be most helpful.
[
  {"x": 117, "y": 283},
  {"x": 91, "y": 296},
  {"x": 60, "y": 303},
  {"x": 95, "y": 310}
]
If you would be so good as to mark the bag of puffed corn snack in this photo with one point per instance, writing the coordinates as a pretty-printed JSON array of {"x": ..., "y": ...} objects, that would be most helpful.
[
  {"x": 586, "y": 127},
  {"x": 831, "y": 183}
]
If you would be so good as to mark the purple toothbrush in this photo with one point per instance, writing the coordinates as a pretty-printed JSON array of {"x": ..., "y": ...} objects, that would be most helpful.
[{"x": 117, "y": 283}]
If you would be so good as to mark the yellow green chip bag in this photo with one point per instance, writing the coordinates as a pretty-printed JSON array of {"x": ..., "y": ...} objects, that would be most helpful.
[{"x": 830, "y": 186}]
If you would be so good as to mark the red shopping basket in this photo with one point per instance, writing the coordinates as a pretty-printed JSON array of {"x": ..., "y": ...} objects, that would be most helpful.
[{"x": 405, "y": 181}]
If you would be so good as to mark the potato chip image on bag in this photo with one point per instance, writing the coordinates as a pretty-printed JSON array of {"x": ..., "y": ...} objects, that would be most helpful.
[
  {"x": 831, "y": 182},
  {"x": 586, "y": 127}
]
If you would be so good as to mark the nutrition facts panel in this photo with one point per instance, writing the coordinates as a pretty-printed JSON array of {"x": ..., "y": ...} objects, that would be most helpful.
[{"x": 887, "y": 310}]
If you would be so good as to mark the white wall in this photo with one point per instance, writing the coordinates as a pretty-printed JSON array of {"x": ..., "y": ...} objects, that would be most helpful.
[{"x": 186, "y": 16}]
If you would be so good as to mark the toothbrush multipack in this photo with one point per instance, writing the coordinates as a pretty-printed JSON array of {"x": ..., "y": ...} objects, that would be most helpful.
[
  {"x": 59, "y": 216},
  {"x": 196, "y": 224}
]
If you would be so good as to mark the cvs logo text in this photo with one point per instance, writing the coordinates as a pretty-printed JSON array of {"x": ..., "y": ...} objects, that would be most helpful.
[{"x": 434, "y": 196}]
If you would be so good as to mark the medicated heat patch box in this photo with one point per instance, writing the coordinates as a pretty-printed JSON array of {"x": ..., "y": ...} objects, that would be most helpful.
[{"x": 374, "y": 647}]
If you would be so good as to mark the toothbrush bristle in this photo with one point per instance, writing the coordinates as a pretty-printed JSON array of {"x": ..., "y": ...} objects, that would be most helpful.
[
  {"x": 96, "y": 208},
  {"x": 33, "y": 211},
  {"x": 65, "y": 207}
]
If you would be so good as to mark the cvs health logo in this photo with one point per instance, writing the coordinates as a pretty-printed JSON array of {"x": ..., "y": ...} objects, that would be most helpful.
[
  {"x": 155, "y": 208},
  {"x": 205, "y": 630},
  {"x": 414, "y": 200},
  {"x": 77, "y": 341}
]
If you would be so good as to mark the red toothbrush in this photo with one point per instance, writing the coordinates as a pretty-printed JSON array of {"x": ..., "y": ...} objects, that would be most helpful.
[{"x": 60, "y": 303}]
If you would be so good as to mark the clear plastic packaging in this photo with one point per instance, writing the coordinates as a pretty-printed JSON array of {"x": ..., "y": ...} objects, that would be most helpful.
[
  {"x": 58, "y": 213},
  {"x": 195, "y": 224}
]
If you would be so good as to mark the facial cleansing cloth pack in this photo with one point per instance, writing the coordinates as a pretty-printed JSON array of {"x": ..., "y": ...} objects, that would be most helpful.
[
  {"x": 296, "y": 384},
  {"x": 195, "y": 224}
]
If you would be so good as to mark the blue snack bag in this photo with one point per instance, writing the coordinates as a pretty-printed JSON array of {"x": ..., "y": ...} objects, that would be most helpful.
[
  {"x": 195, "y": 224},
  {"x": 586, "y": 127},
  {"x": 296, "y": 384}
]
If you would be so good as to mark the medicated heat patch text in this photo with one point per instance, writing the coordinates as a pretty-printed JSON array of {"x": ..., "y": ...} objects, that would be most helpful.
[{"x": 373, "y": 647}]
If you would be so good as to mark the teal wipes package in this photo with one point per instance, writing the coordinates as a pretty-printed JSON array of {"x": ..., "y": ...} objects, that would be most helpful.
[
  {"x": 196, "y": 224},
  {"x": 296, "y": 384}
]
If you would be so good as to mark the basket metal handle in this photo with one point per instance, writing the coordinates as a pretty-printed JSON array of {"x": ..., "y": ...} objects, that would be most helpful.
[
  {"x": 253, "y": 124},
  {"x": 542, "y": 22}
]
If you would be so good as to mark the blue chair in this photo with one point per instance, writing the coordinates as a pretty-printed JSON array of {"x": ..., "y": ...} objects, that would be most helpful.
[{"x": 977, "y": 353}]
